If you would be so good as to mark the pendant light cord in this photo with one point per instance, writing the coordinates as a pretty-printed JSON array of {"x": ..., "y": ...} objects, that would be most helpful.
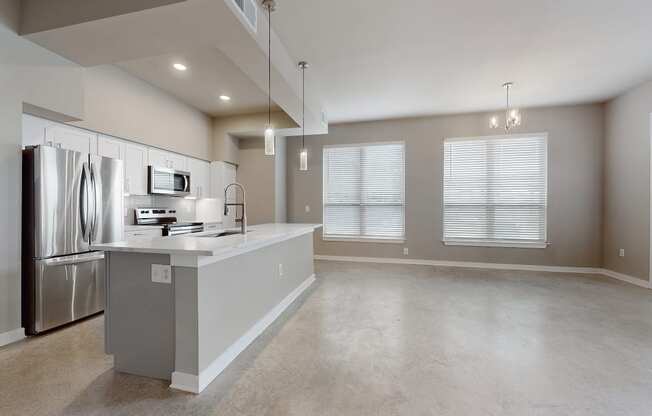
[
  {"x": 507, "y": 110},
  {"x": 269, "y": 65},
  {"x": 303, "y": 104}
]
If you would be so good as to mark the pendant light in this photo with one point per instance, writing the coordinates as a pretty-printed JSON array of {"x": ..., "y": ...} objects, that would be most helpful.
[
  {"x": 303, "y": 153},
  {"x": 270, "y": 136},
  {"x": 512, "y": 115}
]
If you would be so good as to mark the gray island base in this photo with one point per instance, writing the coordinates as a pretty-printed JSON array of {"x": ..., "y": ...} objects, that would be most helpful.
[{"x": 183, "y": 308}]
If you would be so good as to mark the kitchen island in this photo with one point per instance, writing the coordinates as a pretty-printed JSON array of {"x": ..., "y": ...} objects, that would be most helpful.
[{"x": 182, "y": 308}]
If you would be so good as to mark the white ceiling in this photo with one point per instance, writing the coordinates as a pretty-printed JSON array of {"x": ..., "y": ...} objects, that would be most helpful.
[
  {"x": 385, "y": 58},
  {"x": 209, "y": 75}
]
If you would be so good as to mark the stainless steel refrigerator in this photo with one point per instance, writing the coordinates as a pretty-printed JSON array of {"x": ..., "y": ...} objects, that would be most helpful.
[{"x": 70, "y": 201}]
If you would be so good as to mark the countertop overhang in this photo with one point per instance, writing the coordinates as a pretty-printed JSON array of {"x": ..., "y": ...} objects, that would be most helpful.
[{"x": 197, "y": 246}]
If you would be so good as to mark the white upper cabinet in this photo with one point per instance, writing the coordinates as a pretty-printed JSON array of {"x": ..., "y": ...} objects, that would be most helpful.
[
  {"x": 135, "y": 158},
  {"x": 161, "y": 158},
  {"x": 71, "y": 138},
  {"x": 179, "y": 162},
  {"x": 110, "y": 147},
  {"x": 200, "y": 178},
  {"x": 34, "y": 130}
]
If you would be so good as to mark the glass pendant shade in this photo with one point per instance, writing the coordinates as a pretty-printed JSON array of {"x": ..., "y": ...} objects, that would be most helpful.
[
  {"x": 303, "y": 159},
  {"x": 494, "y": 123},
  {"x": 270, "y": 147}
]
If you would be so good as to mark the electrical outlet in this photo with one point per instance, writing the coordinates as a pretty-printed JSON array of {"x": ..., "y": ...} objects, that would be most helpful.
[
  {"x": 405, "y": 251},
  {"x": 621, "y": 252},
  {"x": 280, "y": 270},
  {"x": 162, "y": 273},
  {"x": 307, "y": 209}
]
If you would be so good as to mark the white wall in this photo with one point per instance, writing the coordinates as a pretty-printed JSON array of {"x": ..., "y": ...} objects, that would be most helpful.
[
  {"x": 121, "y": 105},
  {"x": 28, "y": 74}
]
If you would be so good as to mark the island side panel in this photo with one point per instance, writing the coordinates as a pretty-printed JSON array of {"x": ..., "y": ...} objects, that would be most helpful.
[
  {"x": 186, "y": 322},
  {"x": 141, "y": 324},
  {"x": 236, "y": 293}
]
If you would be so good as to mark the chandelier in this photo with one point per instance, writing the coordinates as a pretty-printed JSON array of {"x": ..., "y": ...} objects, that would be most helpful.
[{"x": 512, "y": 115}]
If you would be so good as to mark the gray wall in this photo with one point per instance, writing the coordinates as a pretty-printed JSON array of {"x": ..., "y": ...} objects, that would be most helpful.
[
  {"x": 575, "y": 185},
  {"x": 256, "y": 173},
  {"x": 627, "y": 182},
  {"x": 280, "y": 181},
  {"x": 264, "y": 179}
]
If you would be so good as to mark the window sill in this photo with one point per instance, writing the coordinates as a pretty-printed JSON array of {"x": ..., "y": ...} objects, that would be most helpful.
[
  {"x": 502, "y": 244},
  {"x": 365, "y": 240}
]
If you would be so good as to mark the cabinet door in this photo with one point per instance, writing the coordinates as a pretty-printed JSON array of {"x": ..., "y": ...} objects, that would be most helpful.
[
  {"x": 178, "y": 162},
  {"x": 158, "y": 158},
  {"x": 34, "y": 130},
  {"x": 135, "y": 158},
  {"x": 200, "y": 173},
  {"x": 71, "y": 138},
  {"x": 110, "y": 147}
]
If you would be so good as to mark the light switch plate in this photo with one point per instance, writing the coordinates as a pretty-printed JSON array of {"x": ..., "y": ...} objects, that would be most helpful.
[
  {"x": 307, "y": 208},
  {"x": 162, "y": 273}
]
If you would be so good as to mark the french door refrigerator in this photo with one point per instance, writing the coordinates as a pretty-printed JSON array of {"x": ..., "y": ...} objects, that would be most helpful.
[{"x": 70, "y": 201}]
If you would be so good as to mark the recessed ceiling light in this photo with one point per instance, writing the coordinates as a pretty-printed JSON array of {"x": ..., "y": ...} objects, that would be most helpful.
[
  {"x": 225, "y": 98},
  {"x": 180, "y": 67}
]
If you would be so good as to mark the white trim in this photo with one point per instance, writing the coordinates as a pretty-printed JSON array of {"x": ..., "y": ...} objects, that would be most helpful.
[
  {"x": 12, "y": 336},
  {"x": 493, "y": 266},
  {"x": 195, "y": 384},
  {"x": 626, "y": 278},
  {"x": 359, "y": 239},
  {"x": 497, "y": 136},
  {"x": 381, "y": 143},
  {"x": 479, "y": 243}
]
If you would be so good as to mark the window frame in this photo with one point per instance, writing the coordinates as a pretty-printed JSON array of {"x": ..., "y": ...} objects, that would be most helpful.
[
  {"x": 498, "y": 243},
  {"x": 361, "y": 238}
]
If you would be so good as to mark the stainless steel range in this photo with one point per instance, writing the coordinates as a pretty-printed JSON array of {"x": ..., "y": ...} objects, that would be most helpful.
[{"x": 168, "y": 219}]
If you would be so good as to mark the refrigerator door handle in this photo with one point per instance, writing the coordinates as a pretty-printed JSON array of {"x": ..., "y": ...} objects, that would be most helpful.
[
  {"x": 76, "y": 259},
  {"x": 83, "y": 203},
  {"x": 94, "y": 197}
]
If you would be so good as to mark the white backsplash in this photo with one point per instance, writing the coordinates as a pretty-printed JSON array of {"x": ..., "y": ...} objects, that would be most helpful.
[{"x": 185, "y": 207}]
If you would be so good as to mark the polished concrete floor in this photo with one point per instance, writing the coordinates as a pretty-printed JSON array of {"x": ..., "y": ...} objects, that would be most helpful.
[{"x": 384, "y": 340}]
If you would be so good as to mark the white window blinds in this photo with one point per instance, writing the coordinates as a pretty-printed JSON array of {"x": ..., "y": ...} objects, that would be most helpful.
[
  {"x": 364, "y": 191},
  {"x": 495, "y": 190}
]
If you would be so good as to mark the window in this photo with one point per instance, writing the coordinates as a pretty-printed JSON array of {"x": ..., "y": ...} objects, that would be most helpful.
[
  {"x": 495, "y": 191},
  {"x": 364, "y": 195}
]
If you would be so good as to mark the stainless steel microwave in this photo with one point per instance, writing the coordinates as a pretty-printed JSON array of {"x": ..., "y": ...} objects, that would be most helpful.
[{"x": 165, "y": 181}]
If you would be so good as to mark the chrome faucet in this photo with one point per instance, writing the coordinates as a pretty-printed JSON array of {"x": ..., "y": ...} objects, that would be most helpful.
[{"x": 242, "y": 220}]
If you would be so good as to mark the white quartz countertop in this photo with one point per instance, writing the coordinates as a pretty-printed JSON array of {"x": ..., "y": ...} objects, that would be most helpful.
[
  {"x": 195, "y": 245},
  {"x": 142, "y": 227}
]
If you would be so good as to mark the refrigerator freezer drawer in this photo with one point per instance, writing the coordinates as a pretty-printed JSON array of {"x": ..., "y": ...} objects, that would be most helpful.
[{"x": 67, "y": 288}]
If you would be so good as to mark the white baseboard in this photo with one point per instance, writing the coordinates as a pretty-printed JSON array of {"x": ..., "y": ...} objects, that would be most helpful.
[
  {"x": 626, "y": 278},
  {"x": 195, "y": 384},
  {"x": 495, "y": 266},
  {"x": 12, "y": 336}
]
